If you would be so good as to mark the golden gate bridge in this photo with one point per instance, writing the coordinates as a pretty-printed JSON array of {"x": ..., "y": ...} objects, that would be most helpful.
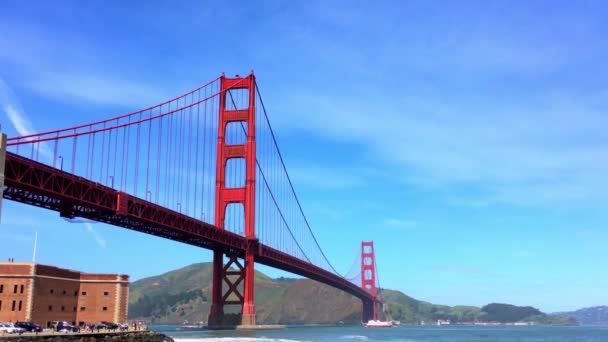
[{"x": 203, "y": 168}]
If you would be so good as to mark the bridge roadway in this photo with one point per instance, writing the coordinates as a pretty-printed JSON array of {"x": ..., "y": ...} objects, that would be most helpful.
[{"x": 37, "y": 184}]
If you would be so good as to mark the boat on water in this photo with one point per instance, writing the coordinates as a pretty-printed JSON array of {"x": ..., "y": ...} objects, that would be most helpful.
[
  {"x": 378, "y": 324},
  {"x": 192, "y": 326}
]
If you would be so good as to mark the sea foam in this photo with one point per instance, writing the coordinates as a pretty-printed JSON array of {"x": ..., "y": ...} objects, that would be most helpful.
[
  {"x": 354, "y": 337},
  {"x": 236, "y": 339}
]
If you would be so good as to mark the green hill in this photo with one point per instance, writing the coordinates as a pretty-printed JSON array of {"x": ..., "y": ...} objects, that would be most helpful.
[
  {"x": 596, "y": 315},
  {"x": 184, "y": 294},
  {"x": 407, "y": 309}
]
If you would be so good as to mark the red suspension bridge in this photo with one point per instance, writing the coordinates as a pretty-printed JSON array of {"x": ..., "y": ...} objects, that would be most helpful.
[{"x": 204, "y": 169}]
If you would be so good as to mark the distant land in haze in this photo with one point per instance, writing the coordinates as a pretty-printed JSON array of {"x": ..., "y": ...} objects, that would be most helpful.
[
  {"x": 596, "y": 315},
  {"x": 185, "y": 294}
]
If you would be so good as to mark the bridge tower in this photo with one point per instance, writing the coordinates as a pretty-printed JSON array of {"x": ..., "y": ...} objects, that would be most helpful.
[
  {"x": 244, "y": 196},
  {"x": 368, "y": 279}
]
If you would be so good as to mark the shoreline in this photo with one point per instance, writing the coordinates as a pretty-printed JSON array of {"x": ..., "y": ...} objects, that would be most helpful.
[{"x": 131, "y": 336}]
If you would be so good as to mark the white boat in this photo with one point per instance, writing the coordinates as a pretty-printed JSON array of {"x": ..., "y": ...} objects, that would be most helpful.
[
  {"x": 192, "y": 326},
  {"x": 378, "y": 324}
]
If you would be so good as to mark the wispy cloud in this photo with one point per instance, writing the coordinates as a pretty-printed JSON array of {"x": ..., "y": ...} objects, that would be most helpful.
[
  {"x": 4, "y": 236},
  {"x": 466, "y": 271},
  {"x": 13, "y": 110},
  {"x": 400, "y": 223},
  {"x": 16, "y": 115},
  {"x": 325, "y": 177},
  {"x": 420, "y": 100},
  {"x": 537, "y": 153},
  {"x": 70, "y": 69},
  {"x": 522, "y": 253},
  {"x": 327, "y": 211},
  {"x": 93, "y": 87},
  {"x": 101, "y": 242}
]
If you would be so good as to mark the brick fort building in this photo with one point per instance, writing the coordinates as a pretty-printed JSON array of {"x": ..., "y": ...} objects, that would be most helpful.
[{"x": 42, "y": 294}]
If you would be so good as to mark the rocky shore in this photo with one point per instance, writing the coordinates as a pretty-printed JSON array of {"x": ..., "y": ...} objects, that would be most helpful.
[{"x": 139, "y": 336}]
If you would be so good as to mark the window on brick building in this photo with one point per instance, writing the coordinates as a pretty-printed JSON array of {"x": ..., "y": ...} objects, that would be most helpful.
[
  {"x": 82, "y": 308},
  {"x": 20, "y": 302},
  {"x": 62, "y": 308},
  {"x": 84, "y": 293},
  {"x": 15, "y": 289},
  {"x": 14, "y": 302},
  {"x": 50, "y": 308},
  {"x": 1, "y": 288},
  {"x": 74, "y": 308},
  {"x": 0, "y": 305},
  {"x": 106, "y": 293},
  {"x": 52, "y": 291},
  {"x": 75, "y": 293},
  {"x": 105, "y": 308},
  {"x": 64, "y": 292}
]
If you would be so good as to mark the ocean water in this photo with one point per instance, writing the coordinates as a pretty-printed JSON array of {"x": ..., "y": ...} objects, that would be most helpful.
[{"x": 400, "y": 333}]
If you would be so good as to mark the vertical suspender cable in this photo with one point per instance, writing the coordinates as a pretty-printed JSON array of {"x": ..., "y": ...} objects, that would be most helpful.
[
  {"x": 148, "y": 159},
  {"x": 198, "y": 128}
]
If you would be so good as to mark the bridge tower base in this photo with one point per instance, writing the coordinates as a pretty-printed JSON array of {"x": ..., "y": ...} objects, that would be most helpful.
[
  {"x": 216, "y": 312},
  {"x": 248, "y": 318},
  {"x": 368, "y": 311}
]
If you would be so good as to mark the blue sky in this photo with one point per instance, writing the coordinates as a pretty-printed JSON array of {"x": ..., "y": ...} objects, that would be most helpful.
[{"x": 468, "y": 139}]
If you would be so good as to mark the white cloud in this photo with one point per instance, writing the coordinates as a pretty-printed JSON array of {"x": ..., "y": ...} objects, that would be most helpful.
[
  {"x": 459, "y": 104},
  {"x": 101, "y": 242},
  {"x": 522, "y": 253},
  {"x": 400, "y": 223},
  {"x": 70, "y": 69},
  {"x": 535, "y": 153},
  {"x": 325, "y": 177},
  {"x": 16, "y": 115},
  {"x": 466, "y": 271},
  {"x": 93, "y": 87},
  {"x": 16, "y": 237},
  {"x": 19, "y": 121},
  {"x": 13, "y": 110}
]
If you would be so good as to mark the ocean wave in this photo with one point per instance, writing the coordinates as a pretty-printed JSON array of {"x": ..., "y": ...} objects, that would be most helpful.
[
  {"x": 355, "y": 337},
  {"x": 239, "y": 339}
]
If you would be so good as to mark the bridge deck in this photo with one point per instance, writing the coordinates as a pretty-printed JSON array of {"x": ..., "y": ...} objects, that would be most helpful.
[{"x": 40, "y": 185}]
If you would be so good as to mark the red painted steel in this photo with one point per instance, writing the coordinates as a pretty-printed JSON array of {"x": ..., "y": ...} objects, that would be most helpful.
[
  {"x": 40, "y": 185},
  {"x": 244, "y": 195},
  {"x": 368, "y": 272},
  {"x": 36, "y": 184}
]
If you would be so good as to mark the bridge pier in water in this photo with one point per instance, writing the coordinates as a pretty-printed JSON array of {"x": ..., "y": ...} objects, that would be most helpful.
[
  {"x": 369, "y": 310},
  {"x": 368, "y": 279}
]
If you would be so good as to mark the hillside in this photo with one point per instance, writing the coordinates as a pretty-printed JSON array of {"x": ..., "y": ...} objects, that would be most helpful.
[
  {"x": 407, "y": 309},
  {"x": 596, "y": 315},
  {"x": 184, "y": 294}
]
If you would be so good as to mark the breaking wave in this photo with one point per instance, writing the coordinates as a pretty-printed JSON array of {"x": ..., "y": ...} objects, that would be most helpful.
[
  {"x": 354, "y": 337},
  {"x": 236, "y": 339}
]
